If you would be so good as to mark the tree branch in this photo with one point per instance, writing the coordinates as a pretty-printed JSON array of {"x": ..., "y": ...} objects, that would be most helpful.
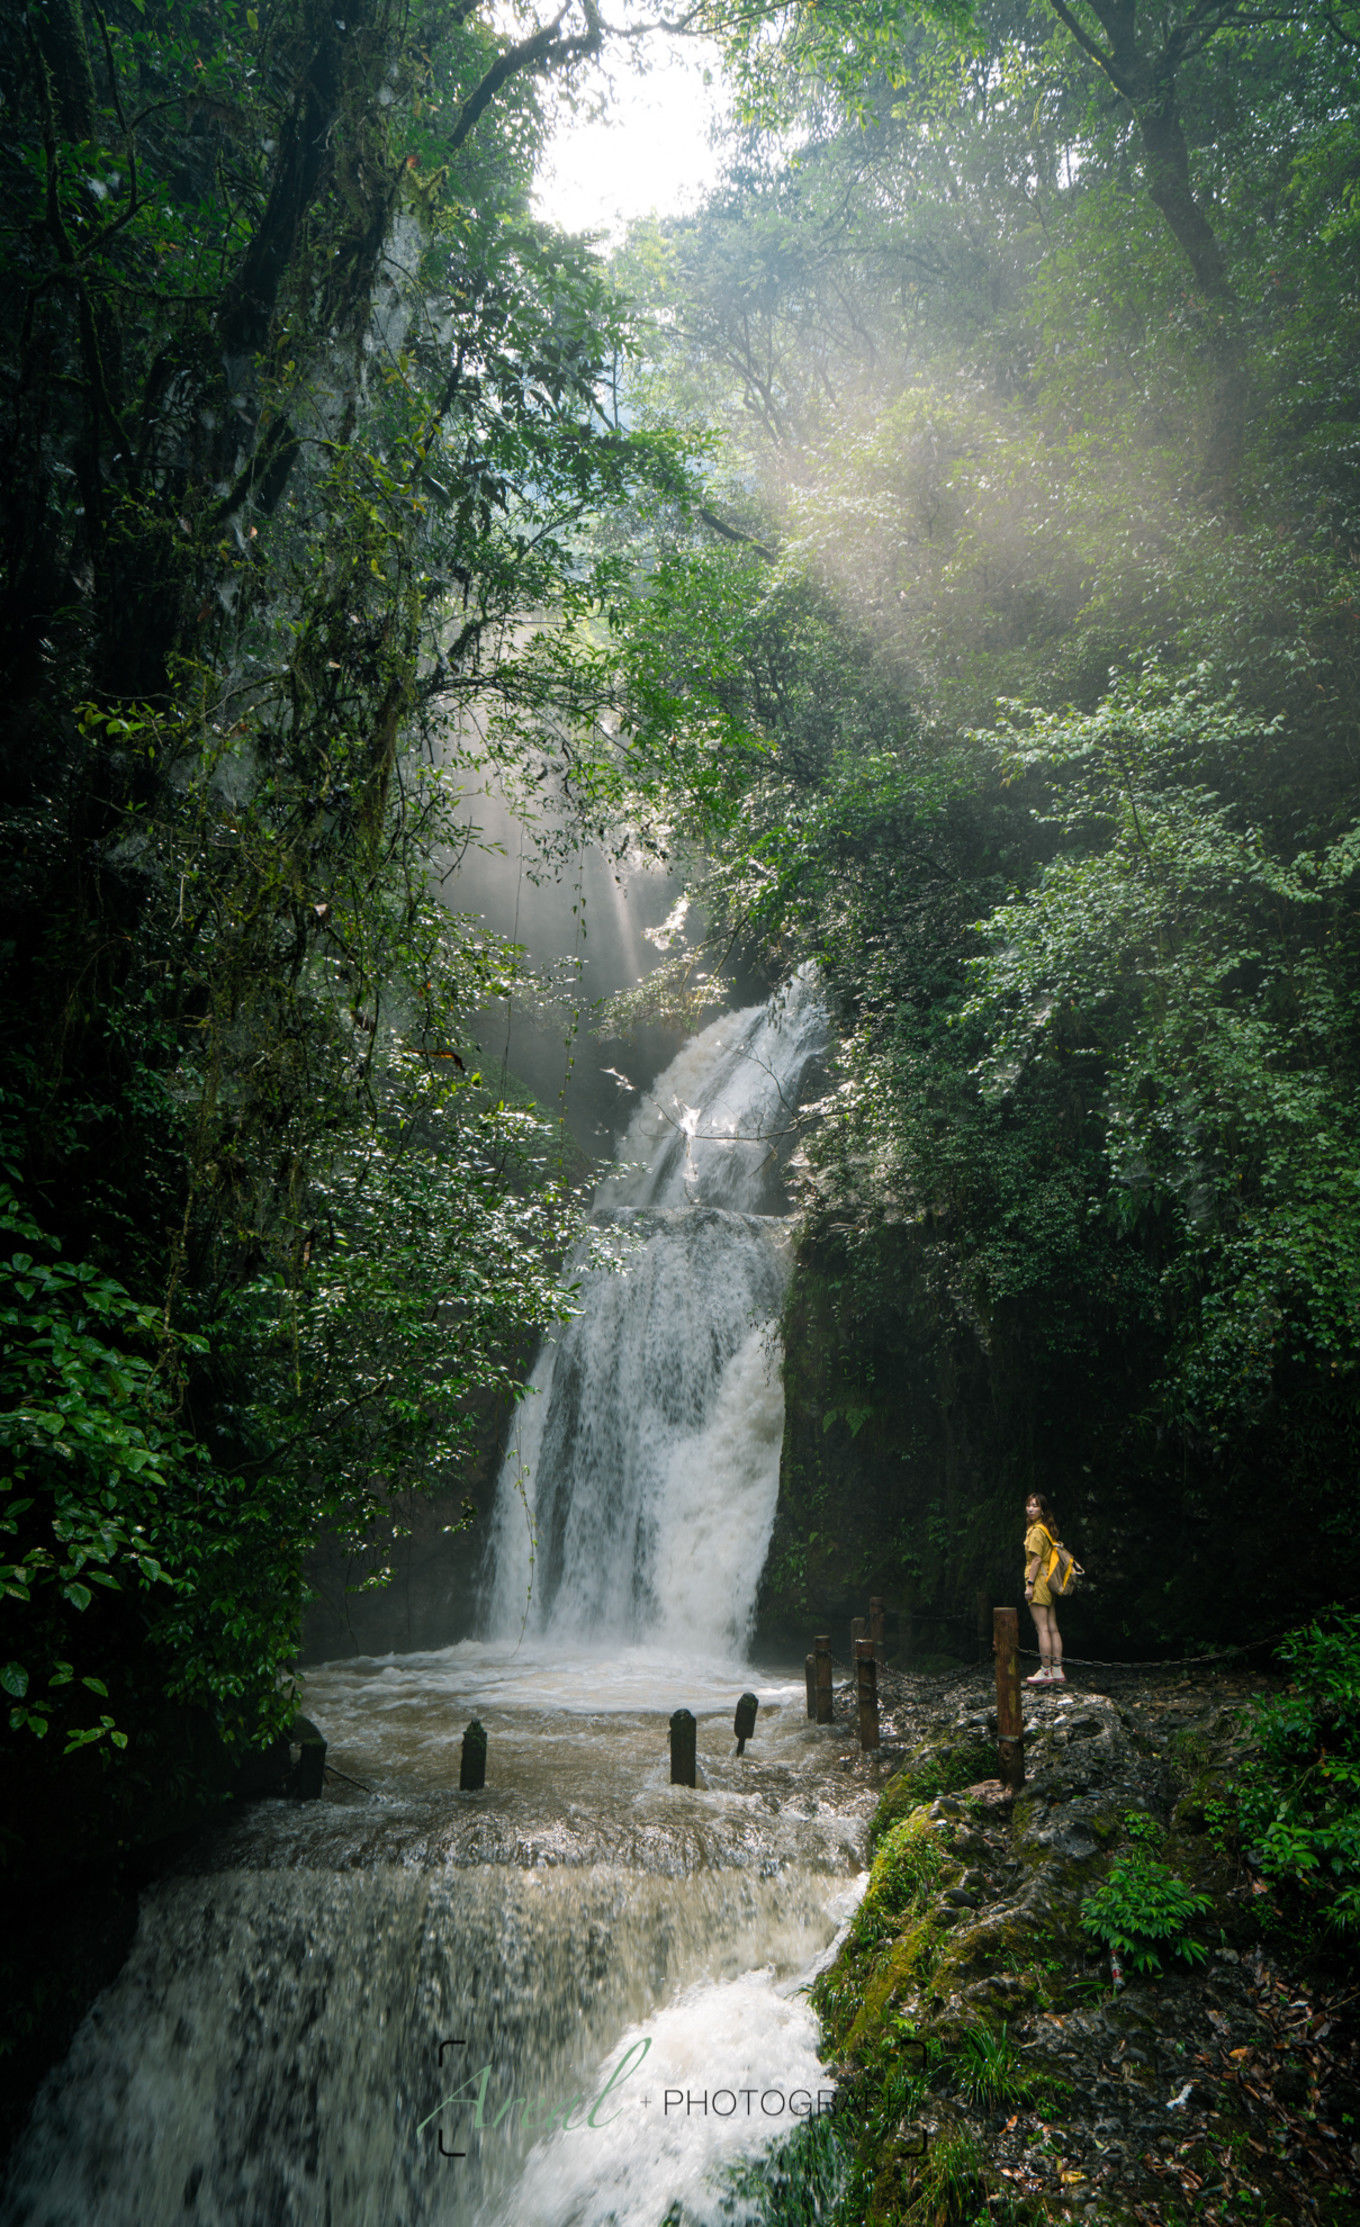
[
  {"x": 733, "y": 533},
  {"x": 543, "y": 51}
]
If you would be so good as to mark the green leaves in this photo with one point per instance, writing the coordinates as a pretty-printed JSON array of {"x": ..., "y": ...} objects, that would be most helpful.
[
  {"x": 1175, "y": 947},
  {"x": 1142, "y": 1910},
  {"x": 313, "y": 426},
  {"x": 93, "y": 1460},
  {"x": 1299, "y": 1797}
]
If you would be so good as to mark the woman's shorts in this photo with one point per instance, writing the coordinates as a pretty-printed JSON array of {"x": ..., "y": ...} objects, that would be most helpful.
[{"x": 1042, "y": 1597}]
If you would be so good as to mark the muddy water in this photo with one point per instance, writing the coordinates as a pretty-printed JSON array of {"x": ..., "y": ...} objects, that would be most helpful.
[
  {"x": 615, "y": 1965},
  {"x": 574, "y": 1998}
]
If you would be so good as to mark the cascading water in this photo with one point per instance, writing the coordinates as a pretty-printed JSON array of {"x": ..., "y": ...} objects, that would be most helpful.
[
  {"x": 408, "y": 2007},
  {"x": 640, "y": 1484}
]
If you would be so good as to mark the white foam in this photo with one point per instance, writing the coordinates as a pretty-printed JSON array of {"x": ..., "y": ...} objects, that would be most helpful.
[
  {"x": 638, "y": 1493},
  {"x": 729, "y": 2066}
]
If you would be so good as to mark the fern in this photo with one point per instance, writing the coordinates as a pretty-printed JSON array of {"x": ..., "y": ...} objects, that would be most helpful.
[{"x": 1143, "y": 1909}]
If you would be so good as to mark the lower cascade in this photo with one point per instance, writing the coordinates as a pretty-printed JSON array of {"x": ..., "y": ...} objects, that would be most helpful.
[{"x": 572, "y": 1999}]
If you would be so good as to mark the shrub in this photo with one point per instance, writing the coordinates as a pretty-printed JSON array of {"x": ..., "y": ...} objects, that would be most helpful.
[
  {"x": 1299, "y": 1800},
  {"x": 1143, "y": 1908}
]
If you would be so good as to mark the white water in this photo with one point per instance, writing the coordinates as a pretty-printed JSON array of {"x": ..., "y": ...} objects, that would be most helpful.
[
  {"x": 270, "y": 2054},
  {"x": 639, "y": 1488},
  {"x": 719, "y": 1123}
]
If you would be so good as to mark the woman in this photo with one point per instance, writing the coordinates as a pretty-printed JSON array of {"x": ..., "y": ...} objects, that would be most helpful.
[{"x": 1040, "y": 1540}]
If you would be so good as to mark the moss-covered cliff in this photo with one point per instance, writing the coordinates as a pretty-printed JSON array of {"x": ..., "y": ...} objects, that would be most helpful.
[
  {"x": 991, "y": 2063},
  {"x": 913, "y": 1435}
]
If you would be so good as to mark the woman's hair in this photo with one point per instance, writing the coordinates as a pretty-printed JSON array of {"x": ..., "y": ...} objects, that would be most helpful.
[{"x": 1046, "y": 1515}]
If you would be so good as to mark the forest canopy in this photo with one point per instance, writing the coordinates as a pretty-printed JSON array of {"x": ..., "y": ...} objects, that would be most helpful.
[{"x": 302, "y": 408}]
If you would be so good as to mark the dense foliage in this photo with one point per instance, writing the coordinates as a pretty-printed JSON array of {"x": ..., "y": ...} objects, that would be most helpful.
[
  {"x": 300, "y": 412},
  {"x": 1299, "y": 1803},
  {"x": 1141, "y": 1910},
  {"x": 1020, "y": 693}
]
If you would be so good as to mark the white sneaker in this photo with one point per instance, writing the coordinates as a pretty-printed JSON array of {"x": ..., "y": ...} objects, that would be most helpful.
[{"x": 1039, "y": 1678}]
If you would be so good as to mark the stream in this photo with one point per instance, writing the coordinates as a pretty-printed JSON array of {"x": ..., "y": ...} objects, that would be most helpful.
[{"x": 576, "y": 1997}]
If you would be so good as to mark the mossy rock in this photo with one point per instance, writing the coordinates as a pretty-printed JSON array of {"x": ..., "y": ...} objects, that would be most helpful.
[
  {"x": 1024, "y": 1815},
  {"x": 938, "y": 1770},
  {"x": 946, "y": 2188},
  {"x": 909, "y": 1864},
  {"x": 892, "y": 2195},
  {"x": 902, "y": 1970},
  {"x": 1203, "y": 1866},
  {"x": 1189, "y": 1814},
  {"x": 975, "y": 1950}
]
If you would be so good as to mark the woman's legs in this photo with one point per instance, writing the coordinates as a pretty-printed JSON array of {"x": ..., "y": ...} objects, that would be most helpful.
[{"x": 1042, "y": 1619}]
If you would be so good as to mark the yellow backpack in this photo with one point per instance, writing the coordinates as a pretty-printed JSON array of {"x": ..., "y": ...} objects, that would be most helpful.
[{"x": 1064, "y": 1573}]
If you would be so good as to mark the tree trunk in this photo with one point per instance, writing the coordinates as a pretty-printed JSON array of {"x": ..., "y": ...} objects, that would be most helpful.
[
  {"x": 1169, "y": 187},
  {"x": 1148, "y": 83},
  {"x": 1168, "y": 175},
  {"x": 59, "y": 28}
]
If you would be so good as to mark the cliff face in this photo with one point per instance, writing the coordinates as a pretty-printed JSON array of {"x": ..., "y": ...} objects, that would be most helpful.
[
  {"x": 893, "y": 1480},
  {"x": 913, "y": 1436}
]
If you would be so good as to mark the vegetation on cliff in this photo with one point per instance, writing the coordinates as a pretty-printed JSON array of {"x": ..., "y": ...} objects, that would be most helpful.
[
  {"x": 996, "y": 2063},
  {"x": 1021, "y": 696}
]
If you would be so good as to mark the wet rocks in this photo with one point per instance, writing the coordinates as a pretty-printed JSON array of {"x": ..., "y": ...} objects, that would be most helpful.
[{"x": 1166, "y": 2096}]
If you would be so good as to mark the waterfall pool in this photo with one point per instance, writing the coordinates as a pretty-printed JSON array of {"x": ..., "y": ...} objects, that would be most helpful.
[{"x": 575, "y": 1998}]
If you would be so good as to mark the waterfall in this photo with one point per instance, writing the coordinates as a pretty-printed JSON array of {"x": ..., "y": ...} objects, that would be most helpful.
[
  {"x": 321, "y": 1996},
  {"x": 638, "y": 1490}
]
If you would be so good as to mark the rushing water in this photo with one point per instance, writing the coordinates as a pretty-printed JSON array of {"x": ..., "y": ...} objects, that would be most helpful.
[
  {"x": 639, "y": 1488},
  {"x": 572, "y": 1999}
]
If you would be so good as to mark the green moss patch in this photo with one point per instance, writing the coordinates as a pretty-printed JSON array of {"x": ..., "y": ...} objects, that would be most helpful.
[
  {"x": 903, "y": 1968},
  {"x": 938, "y": 1770},
  {"x": 909, "y": 1865}
]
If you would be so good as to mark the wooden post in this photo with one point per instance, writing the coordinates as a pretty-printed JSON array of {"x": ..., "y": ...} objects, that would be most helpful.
[
  {"x": 472, "y": 1766},
  {"x": 859, "y": 1626},
  {"x": 810, "y": 1670},
  {"x": 876, "y": 1626},
  {"x": 309, "y": 1775},
  {"x": 866, "y": 1692},
  {"x": 684, "y": 1734},
  {"x": 1010, "y": 1738},
  {"x": 825, "y": 1713},
  {"x": 744, "y": 1723}
]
